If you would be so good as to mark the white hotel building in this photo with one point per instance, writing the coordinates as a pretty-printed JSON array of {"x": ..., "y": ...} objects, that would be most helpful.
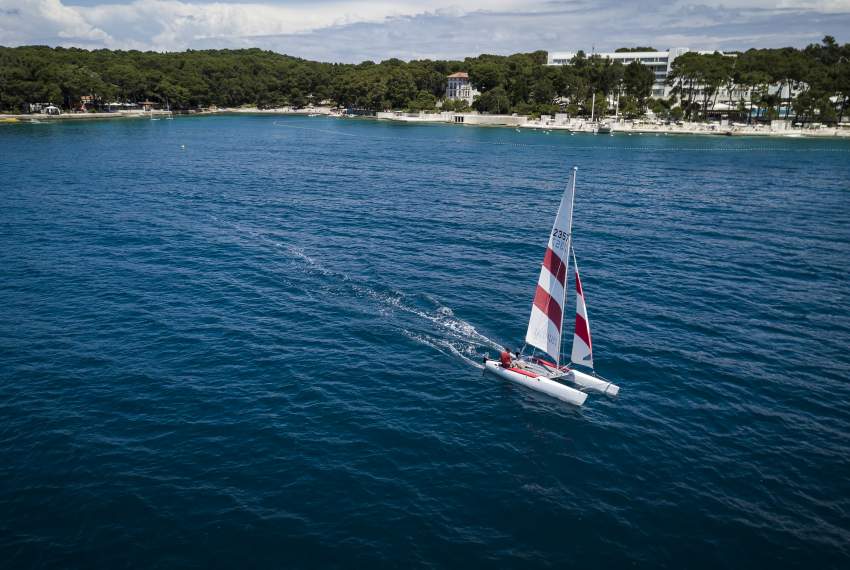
[{"x": 659, "y": 62}]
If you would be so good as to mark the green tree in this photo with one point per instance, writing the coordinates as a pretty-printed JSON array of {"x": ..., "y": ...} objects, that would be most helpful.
[
  {"x": 424, "y": 101},
  {"x": 660, "y": 108},
  {"x": 630, "y": 107},
  {"x": 638, "y": 80},
  {"x": 543, "y": 91},
  {"x": 633, "y": 49},
  {"x": 456, "y": 105},
  {"x": 400, "y": 88},
  {"x": 493, "y": 101},
  {"x": 486, "y": 75}
]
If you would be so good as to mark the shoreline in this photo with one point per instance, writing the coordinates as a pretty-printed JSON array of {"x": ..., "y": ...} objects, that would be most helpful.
[
  {"x": 703, "y": 129},
  {"x": 517, "y": 123},
  {"x": 39, "y": 118},
  {"x": 617, "y": 127}
]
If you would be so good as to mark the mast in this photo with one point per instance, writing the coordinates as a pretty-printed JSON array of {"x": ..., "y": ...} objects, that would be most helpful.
[
  {"x": 616, "y": 114},
  {"x": 593, "y": 106},
  {"x": 547, "y": 310}
]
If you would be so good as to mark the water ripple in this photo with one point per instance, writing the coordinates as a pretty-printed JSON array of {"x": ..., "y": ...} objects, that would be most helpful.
[{"x": 266, "y": 346}]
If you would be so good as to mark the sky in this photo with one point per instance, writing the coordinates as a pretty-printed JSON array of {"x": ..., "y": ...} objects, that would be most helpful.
[{"x": 358, "y": 30}]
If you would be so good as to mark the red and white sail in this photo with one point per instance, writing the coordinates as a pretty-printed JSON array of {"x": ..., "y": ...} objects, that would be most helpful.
[
  {"x": 582, "y": 344},
  {"x": 547, "y": 311}
]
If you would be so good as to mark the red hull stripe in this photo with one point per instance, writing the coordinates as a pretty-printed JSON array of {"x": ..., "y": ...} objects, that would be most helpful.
[
  {"x": 545, "y": 302},
  {"x": 578, "y": 285},
  {"x": 523, "y": 372},
  {"x": 555, "y": 265},
  {"x": 582, "y": 331}
]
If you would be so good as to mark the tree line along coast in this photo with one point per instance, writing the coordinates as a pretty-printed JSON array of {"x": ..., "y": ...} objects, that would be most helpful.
[{"x": 810, "y": 84}]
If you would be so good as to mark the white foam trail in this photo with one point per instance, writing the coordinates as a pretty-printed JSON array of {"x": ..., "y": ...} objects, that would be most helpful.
[
  {"x": 439, "y": 345},
  {"x": 443, "y": 317},
  {"x": 452, "y": 328},
  {"x": 313, "y": 263}
]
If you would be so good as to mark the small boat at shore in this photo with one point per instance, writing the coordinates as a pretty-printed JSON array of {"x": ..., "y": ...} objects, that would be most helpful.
[{"x": 542, "y": 371}]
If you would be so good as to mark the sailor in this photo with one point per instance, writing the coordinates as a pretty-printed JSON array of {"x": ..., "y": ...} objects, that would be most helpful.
[
  {"x": 505, "y": 358},
  {"x": 518, "y": 361}
]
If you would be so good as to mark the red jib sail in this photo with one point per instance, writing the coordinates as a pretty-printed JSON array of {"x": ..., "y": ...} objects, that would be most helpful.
[{"x": 582, "y": 345}]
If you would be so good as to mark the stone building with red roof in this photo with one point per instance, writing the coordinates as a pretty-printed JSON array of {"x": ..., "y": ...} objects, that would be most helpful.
[{"x": 459, "y": 88}]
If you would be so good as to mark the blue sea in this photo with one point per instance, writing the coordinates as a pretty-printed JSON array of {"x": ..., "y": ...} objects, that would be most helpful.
[{"x": 256, "y": 341}]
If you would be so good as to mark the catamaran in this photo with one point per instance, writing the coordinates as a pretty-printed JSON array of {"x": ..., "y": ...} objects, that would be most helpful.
[{"x": 546, "y": 322}]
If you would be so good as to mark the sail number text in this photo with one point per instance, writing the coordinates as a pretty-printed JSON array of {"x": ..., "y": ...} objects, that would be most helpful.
[{"x": 559, "y": 238}]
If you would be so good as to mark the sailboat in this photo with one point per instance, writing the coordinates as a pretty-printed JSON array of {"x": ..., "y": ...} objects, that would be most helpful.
[{"x": 536, "y": 370}]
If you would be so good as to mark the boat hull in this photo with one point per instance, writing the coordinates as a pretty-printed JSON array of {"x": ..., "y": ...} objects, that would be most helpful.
[
  {"x": 592, "y": 383},
  {"x": 537, "y": 383}
]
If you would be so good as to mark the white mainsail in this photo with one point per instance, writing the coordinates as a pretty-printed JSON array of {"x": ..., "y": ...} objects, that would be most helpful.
[
  {"x": 582, "y": 345},
  {"x": 547, "y": 311}
]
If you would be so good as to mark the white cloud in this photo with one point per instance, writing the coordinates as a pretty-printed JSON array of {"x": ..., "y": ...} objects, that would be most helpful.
[
  {"x": 25, "y": 19},
  {"x": 352, "y": 30}
]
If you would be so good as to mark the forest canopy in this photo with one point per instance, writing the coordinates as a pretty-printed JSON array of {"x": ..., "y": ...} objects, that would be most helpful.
[{"x": 521, "y": 83}]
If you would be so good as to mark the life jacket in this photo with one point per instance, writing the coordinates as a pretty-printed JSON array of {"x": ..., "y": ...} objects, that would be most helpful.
[{"x": 505, "y": 358}]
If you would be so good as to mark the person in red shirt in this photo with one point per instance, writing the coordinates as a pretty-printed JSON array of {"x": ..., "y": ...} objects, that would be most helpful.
[{"x": 505, "y": 358}]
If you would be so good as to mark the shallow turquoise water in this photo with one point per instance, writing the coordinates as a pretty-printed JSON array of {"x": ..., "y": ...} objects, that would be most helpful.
[{"x": 232, "y": 341}]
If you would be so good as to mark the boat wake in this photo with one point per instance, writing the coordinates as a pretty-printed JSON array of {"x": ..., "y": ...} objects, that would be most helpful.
[
  {"x": 421, "y": 318},
  {"x": 468, "y": 354}
]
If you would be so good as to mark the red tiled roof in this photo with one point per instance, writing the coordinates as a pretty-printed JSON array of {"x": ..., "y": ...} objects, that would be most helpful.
[{"x": 461, "y": 74}]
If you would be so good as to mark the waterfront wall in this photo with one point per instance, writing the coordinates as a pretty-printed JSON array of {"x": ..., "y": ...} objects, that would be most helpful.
[{"x": 451, "y": 117}]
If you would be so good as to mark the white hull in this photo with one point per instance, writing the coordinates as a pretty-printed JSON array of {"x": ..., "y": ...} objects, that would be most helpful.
[
  {"x": 592, "y": 383},
  {"x": 538, "y": 383}
]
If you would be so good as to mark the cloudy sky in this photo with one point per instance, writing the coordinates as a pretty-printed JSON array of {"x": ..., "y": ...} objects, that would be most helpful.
[{"x": 355, "y": 30}]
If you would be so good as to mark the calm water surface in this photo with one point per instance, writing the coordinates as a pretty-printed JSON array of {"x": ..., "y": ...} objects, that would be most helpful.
[{"x": 255, "y": 341}]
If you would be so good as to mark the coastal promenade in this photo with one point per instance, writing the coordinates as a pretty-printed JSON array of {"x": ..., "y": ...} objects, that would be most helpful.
[
  {"x": 578, "y": 125},
  {"x": 139, "y": 114},
  {"x": 37, "y": 117},
  {"x": 781, "y": 129},
  {"x": 638, "y": 127}
]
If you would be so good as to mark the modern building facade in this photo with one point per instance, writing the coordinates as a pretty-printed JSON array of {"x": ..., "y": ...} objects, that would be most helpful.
[
  {"x": 659, "y": 62},
  {"x": 460, "y": 88}
]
